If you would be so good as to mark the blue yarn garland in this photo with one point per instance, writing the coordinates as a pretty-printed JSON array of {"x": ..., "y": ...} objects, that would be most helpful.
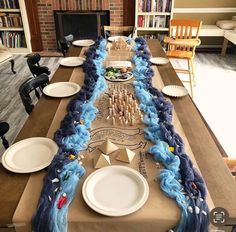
[
  {"x": 65, "y": 171},
  {"x": 158, "y": 118},
  {"x": 169, "y": 177},
  {"x": 179, "y": 180}
]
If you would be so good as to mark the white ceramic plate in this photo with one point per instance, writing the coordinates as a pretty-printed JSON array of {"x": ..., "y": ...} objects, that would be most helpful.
[
  {"x": 83, "y": 42},
  {"x": 115, "y": 38},
  {"x": 175, "y": 91},
  {"x": 115, "y": 190},
  {"x": 61, "y": 89},
  {"x": 159, "y": 60},
  {"x": 29, "y": 155},
  {"x": 71, "y": 61}
]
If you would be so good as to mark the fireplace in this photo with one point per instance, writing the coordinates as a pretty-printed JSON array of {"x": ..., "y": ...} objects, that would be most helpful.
[{"x": 82, "y": 24}]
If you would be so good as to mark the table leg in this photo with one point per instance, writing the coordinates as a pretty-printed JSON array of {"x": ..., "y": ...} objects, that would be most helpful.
[{"x": 224, "y": 47}]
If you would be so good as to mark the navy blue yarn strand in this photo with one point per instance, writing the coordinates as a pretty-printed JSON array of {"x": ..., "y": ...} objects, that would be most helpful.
[
  {"x": 48, "y": 217},
  {"x": 191, "y": 179}
]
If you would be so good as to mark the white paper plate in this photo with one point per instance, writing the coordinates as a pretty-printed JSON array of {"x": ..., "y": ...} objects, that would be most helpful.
[
  {"x": 83, "y": 42},
  {"x": 29, "y": 155},
  {"x": 115, "y": 190},
  {"x": 115, "y": 38},
  {"x": 72, "y": 61},
  {"x": 159, "y": 60},
  {"x": 61, "y": 89},
  {"x": 175, "y": 91}
]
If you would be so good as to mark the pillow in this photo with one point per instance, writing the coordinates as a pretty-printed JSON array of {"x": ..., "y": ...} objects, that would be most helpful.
[{"x": 226, "y": 24}]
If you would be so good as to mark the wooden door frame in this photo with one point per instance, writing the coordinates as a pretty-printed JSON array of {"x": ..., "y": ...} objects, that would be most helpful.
[
  {"x": 128, "y": 12},
  {"x": 34, "y": 26}
]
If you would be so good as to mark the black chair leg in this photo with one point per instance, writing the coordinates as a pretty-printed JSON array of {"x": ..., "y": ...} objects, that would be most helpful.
[
  {"x": 12, "y": 66},
  {"x": 5, "y": 142}
]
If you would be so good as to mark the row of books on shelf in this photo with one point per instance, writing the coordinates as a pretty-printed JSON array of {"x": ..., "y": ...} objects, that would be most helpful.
[
  {"x": 154, "y": 5},
  {"x": 10, "y": 20},
  {"x": 9, "y": 4},
  {"x": 13, "y": 39},
  {"x": 153, "y": 21}
]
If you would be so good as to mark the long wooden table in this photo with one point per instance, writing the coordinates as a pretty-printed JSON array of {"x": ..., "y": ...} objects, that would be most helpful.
[{"x": 205, "y": 147}]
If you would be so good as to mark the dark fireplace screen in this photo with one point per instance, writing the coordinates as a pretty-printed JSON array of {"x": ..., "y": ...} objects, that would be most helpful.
[{"x": 82, "y": 24}]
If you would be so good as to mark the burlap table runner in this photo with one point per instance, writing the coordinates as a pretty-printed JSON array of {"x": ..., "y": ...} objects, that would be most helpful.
[{"x": 159, "y": 213}]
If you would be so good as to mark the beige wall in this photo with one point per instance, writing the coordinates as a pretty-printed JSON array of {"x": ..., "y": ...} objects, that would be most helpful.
[
  {"x": 207, "y": 18},
  {"x": 204, "y": 3}
]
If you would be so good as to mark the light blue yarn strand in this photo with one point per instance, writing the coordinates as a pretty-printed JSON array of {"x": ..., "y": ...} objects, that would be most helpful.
[
  {"x": 69, "y": 187},
  {"x": 170, "y": 175},
  {"x": 78, "y": 142}
]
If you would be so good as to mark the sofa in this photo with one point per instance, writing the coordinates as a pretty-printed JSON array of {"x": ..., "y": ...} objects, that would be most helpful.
[{"x": 6, "y": 56}]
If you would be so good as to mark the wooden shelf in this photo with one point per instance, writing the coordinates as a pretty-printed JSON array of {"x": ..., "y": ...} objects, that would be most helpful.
[
  {"x": 154, "y": 13},
  {"x": 152, "y": 29},
  {"x": 153, "y": 24},
  {"x": 11, "y": 29},
  {"x": 9, "y": 10}
]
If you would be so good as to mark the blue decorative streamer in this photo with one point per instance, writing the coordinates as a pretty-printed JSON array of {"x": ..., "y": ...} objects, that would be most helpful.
[
  {"x": 65, "y": 171},
  {"x": 179, "y": 180}
]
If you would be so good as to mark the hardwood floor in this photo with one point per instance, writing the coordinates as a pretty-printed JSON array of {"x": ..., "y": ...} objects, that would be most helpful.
[
  {"x": 214, "y": 94},
  {"x": 11, "y": 107}
]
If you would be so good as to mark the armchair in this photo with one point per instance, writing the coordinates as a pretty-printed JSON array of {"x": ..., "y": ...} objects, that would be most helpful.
[{"x": 6, "y": 56}]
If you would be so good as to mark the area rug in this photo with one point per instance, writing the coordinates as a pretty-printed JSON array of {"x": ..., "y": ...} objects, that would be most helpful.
[{"x": 47, "y": 54}]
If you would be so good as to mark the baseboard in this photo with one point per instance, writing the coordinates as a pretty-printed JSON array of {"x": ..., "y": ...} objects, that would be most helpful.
[{"x": 215, "y": 49}]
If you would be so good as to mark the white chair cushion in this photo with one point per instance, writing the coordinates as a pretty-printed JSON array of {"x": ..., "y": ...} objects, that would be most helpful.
[
  {"x": 226, "y": 24},
  {"x": 5, "y": 55}
]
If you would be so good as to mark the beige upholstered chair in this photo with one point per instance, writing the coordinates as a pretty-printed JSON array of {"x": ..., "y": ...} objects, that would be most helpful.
[{"x": 5, "y": 56}]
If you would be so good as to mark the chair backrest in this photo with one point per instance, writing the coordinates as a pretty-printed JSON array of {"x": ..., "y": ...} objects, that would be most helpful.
[
  {"x": 184, "y": 29},
  {"x": 4, "y": 127},
  {"x": 65, "y": 43},
  {"x": 118, "y": 29},
  {"x": 32, "y": 84},
  {"x": 34, "y": 66}
]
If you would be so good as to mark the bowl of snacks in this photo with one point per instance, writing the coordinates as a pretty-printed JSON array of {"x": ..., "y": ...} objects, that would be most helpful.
[{"x": 118, "y": 74}]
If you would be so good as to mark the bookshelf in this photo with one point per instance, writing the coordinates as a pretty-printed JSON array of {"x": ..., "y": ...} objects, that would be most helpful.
[
  {"x": 152, "y": 18},
  {"x": 14, "y": 28}
]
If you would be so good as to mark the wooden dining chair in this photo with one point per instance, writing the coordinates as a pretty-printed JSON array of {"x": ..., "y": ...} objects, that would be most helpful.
[
  {"x": 118, "y": 29},
  {"x": 34, "y": 66},
  {"x": 32, "y": 84},
  {"x": 181, "y": 44},
  {"x": 65, "y": 43}
]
